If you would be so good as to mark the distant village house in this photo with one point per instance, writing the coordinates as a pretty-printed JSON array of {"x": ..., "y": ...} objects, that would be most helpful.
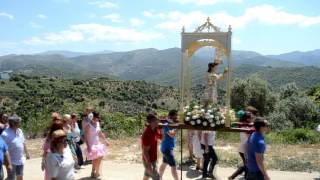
[{"x": 5, "y": 75}]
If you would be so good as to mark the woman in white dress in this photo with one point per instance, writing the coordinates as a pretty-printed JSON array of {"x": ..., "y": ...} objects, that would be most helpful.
[{"x": 211, "y": 92}]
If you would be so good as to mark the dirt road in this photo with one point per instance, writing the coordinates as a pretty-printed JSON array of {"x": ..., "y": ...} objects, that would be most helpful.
[{"x": 114, "y": 170}]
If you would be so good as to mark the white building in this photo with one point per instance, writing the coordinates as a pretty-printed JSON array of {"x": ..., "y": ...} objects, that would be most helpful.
[{"x": 5, "y": 75}]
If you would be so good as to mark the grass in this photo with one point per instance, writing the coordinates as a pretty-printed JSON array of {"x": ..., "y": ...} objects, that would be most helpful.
[{"x": 280, "y": 155}]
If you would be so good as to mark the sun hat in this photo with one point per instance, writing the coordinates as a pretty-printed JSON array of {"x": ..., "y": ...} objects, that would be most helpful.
[{"x": 15, "y": 118}]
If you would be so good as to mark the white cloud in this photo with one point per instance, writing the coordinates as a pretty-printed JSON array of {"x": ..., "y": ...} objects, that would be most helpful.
[
  {"x": 136, "y": 22},
  {"x": 42, "y": 16},
  {"x": 265, "y": 14},
  {"x": 152, "y": 14},
  {"x": 205, "y": 2},
  {"x": 94, "y": 33},
  {"x": 104, "y": 4},
  {"x": 7, "y": 15},
  {"x": 236, "y": 40},
  {"x": 113, "y": 17},
  {"x": 35, "y": 25}
]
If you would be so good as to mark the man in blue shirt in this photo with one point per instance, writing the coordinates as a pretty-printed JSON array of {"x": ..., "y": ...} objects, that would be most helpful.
[
  {"x": 4, "y": 154},
  {"x": 167, "y": 146},
  {"x": 256, "y": 150}
]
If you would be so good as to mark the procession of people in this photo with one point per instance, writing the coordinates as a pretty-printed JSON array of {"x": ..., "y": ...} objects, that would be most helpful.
[{"x": 62, "y": 155}]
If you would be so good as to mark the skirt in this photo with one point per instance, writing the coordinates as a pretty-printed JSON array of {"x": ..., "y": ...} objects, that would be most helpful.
[{"x": 97, "y": 151}]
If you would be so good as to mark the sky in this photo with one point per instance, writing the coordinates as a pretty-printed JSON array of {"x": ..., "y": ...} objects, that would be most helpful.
[{"x": 264, "y": 26}]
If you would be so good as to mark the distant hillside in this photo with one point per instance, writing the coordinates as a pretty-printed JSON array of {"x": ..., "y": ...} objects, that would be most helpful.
[
  {"x": 159, "y": 66},
  {"x": 70, "y": 54},
  {"x": 307, "y": 58},
  {"x": 304, "y": 77}
]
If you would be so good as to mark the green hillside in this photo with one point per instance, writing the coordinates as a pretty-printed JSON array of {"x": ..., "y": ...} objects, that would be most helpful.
[{"x": 34, "y": 98}]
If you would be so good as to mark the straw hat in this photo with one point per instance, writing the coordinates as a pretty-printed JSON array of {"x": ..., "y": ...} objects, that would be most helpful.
[{"x": 58, "y": 134}]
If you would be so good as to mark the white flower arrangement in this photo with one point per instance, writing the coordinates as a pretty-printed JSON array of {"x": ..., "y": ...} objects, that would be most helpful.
[{"x": 196, "y": 115}]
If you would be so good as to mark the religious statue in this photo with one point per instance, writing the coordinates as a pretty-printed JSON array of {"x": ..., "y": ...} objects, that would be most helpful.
[{"x": 211, "y": 92}]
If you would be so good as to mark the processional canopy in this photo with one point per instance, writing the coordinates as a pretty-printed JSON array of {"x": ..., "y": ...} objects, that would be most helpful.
[{"x": 206, "y": 34}]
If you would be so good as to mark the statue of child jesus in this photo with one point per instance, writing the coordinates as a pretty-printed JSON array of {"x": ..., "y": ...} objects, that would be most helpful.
[{"x": 211, "y": 92}]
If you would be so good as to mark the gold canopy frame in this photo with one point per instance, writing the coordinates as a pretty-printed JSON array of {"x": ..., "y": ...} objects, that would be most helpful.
[{"x": 205, "y": 35}]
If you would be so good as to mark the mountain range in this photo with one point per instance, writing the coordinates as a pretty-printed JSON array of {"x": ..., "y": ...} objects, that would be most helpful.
[{"x": 161, "y": 66}]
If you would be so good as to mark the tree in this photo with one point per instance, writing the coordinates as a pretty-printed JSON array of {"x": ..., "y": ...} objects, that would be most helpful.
[
  {"x": 294, "y": 110},
  {"x": 314, "y": 94},
  {"x": 289, "y": 90},
  {"x": 252, "y": 91},
  {"x": 299, "y": 110}
]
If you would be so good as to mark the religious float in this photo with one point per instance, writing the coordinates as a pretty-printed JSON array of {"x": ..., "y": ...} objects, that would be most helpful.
[{"x": 207, "y": 115}]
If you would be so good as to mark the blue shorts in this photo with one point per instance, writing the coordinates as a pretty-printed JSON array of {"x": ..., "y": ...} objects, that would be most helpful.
[
  {"x": 168, "y": 157},
  {"x": 17, "y": 170}
]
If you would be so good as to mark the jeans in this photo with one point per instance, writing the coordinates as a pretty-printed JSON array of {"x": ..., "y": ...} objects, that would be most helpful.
[
  {"x": 255, "y": 176},
  {"x": 79, "y": 154},
  {"x": 241, "y": 169},
  {"x": 211, "y": 155}
]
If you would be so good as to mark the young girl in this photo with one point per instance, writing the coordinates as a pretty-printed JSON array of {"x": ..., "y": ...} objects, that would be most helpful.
[
  {"x": 96, "y": 150},
  {"x": 46, "y": 146},
  {"x": 245, "y": 122}
]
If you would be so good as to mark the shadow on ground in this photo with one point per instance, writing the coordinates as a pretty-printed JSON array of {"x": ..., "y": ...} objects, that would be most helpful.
[{"x": 191, "y": 172}]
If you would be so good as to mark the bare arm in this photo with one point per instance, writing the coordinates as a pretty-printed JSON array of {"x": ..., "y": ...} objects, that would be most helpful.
[
  {"x": 146, "y": 157},
  {"x": 86, "y": 129},
  {"x": 8, "y": 161},
  {"x": 259, "y": 159},
  {"x": 172, "y": 133},
  {"x": 221, "y": 76},
  {"x": 102, "y": 135},
  {"x": 26, "y": 150}
]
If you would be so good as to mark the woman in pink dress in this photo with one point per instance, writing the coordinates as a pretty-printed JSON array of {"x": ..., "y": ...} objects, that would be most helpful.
[{"x": 96, "y": 149}]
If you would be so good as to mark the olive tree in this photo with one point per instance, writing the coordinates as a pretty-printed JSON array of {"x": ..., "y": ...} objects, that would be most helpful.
[{"x": 252, "y": 91}]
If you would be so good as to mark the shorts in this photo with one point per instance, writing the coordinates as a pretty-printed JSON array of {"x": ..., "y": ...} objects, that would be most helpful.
[
  {"x": 155, "y": 175},
  {"x": 168, "y": 158},
  {"x": 17, "y": 170}
]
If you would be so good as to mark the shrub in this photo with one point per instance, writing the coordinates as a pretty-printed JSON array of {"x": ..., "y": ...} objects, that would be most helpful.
[
  {"x": 294, "y": 136},
  {"x": 118, "y": 126},
  {"x": 279, "y": 121},
  {"x": 301, "y": 135},
  {"x": 298, "y": 110}
]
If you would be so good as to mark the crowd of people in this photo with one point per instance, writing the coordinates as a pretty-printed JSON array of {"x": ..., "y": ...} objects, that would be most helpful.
[
  {"x": 62, "y": 154},
  {"x": 201, "y": 147}
]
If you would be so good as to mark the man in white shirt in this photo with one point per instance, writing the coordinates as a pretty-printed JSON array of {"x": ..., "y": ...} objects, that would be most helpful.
[
  {"x": 207, "y": 143},
  {"x": 14, "y": 138}
]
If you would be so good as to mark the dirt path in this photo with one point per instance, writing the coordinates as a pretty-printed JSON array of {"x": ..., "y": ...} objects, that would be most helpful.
[{"x": 113, "y": 170}]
